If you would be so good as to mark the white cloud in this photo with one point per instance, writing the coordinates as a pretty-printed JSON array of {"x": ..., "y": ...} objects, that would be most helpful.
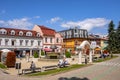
[
  {"x": 37, "y": 17},
  {"x": 55, "y": 19},
  {"x": 88, "y": 24},
  {"x": 22, "y": 23}
]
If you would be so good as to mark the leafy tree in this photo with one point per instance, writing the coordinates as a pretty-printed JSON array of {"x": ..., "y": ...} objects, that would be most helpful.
[{"x": 68, "y": 54}]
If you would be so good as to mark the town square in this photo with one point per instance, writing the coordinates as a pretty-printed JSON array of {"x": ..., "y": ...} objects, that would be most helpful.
[{"x": 59, "y": 40}]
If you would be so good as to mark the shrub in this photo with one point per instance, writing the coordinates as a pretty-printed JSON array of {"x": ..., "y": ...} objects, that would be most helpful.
[
  {"x": 36, "y": 54},
  {"x": 42, "y": 53},
  {"x": 67, "y": 54},
  {"x": 2, "y": 66},
  {"x": 11, "y": 59}
]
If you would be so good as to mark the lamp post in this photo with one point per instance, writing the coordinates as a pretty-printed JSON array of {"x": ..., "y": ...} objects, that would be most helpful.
[
  {"x": 64, "y": 51},
  {"x": 39, "y": 48},
  {"x": 79, "y": 55}
]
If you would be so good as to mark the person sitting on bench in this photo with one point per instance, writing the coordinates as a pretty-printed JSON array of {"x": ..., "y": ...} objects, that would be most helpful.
[
  {"x": 63, "y": 62},
  {"x": 32, "y": 66}
]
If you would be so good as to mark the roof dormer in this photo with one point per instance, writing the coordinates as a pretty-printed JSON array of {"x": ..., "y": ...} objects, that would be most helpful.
[
  {"x": 3, "y": 31},
  {"x": 12, "y": 32},
  {"x": 38, "y": 34},
  {"x": 29, "y": 33},
  {"x": 21, "y": 33}
]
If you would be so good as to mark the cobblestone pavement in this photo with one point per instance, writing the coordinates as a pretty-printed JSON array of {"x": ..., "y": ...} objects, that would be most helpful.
[{"x": 109, "y": 70}]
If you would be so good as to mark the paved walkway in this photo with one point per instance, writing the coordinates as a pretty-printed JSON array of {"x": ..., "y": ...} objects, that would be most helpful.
[{"x": 109, "y": 70}]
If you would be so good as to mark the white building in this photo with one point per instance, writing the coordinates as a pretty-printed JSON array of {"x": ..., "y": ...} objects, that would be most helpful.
[{"x": 20, "y": 40}]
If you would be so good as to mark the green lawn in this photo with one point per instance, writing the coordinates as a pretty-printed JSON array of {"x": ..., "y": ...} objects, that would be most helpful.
[
  {"x": 105, "y": 59},
  {"x": 2, "y": 66},
  {"x": 59, "y": 70}
]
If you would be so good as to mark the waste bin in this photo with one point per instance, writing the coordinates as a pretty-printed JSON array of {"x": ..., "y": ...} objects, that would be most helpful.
[{"x": 18, "y": 65}]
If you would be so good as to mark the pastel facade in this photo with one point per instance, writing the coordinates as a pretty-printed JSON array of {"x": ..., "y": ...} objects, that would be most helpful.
[{"x": 51, "y": 39}]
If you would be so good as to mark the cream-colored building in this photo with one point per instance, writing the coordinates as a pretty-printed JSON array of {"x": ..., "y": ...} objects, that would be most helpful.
[{"x": 19, "y": 40}]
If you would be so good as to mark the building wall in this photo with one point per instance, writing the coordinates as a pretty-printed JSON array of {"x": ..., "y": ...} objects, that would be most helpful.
[
  {"x": 54, "y": 38},
  {"x": 17, "y": 42},
  {"x": 37, "y": 29},
  {"x": 73, "y": 37}
]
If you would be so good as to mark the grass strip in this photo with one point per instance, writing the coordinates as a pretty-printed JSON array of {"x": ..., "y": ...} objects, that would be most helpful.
[
  {"x": 105, "y": 59},
  {"x": 59, "y": 70}
]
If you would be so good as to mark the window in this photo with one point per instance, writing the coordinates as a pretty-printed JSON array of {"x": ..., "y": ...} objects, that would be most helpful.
[
  {"x": 38, "y": 34},
  {"x": 39, "y": 43},
  {"x": 21, "y": 41},
  {"x": 50, "y": 40},
  {"x": 45, "y": 40},
  {"x": 26, "y": 42},
  {"x": 12, "y": 32},
  {"x": 0, "y": 32},
  {"x": 57, "y": 40},
  {"x": 28, "y": 34},
  {"x": 75, "y": 30},
  {"x": 32, "y": 43},
  {"x": 0, "y": 41},
  {"x": 6, "y": 42},
  {"x": 13, "y": 42},
  {"x": 3, "y": 31},
  {"x": 20, "y": 33}
]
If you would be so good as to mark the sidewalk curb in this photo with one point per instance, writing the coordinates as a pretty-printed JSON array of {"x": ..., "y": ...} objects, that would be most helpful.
[{"x": 4, "y": 71}]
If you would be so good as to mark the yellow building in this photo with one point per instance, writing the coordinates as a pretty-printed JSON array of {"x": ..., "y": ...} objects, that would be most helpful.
[{"x": 73, "y": 37}]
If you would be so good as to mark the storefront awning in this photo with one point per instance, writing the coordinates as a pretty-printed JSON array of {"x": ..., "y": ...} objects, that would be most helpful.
[{"x": 47, "y": 49}]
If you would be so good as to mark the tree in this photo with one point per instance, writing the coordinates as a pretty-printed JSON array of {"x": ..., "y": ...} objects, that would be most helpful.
[
  {"x": 68, "y": 54},
  {"x": 118, "y": 38},
  {"x": 111, "y": 37}
]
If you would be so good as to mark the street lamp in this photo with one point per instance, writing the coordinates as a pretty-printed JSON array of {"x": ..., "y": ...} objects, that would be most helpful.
[{"x": 79, "y": 49}]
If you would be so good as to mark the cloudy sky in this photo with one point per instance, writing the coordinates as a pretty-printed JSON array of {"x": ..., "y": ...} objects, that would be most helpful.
[{"x": 93, "y": 15}]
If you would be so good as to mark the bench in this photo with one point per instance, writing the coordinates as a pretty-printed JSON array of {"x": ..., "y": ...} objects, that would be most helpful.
[
  {"x": 65, "y": 65},
  {"x": 51, "y": 67},
  {"x": 24, "y": 71}
]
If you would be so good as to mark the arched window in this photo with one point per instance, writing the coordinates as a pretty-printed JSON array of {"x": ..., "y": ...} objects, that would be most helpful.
[
  {"x": 3, "y": 31},
  {"x": 28, "y": 34},
  {"x": 12, "y": 32},
  {"x": 21, "y": 33}
]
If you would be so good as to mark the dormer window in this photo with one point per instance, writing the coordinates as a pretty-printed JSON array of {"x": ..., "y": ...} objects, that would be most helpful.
[
  {"x": 3, "y": 31},
  {"x": 12, "y": 32},
  {"x": 38, "y": 34},
  {"x": 28, "y": 34},
  {"x": 20, "y": 33}
]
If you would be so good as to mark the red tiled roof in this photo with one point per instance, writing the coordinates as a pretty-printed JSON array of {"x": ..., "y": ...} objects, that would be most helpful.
[
  {"x": 18, "y": 30},
  {"x": 47, "y": 31}
]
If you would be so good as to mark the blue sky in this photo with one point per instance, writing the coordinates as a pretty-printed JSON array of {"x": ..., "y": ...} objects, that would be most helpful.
[{"x": 93, "y": 15}]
